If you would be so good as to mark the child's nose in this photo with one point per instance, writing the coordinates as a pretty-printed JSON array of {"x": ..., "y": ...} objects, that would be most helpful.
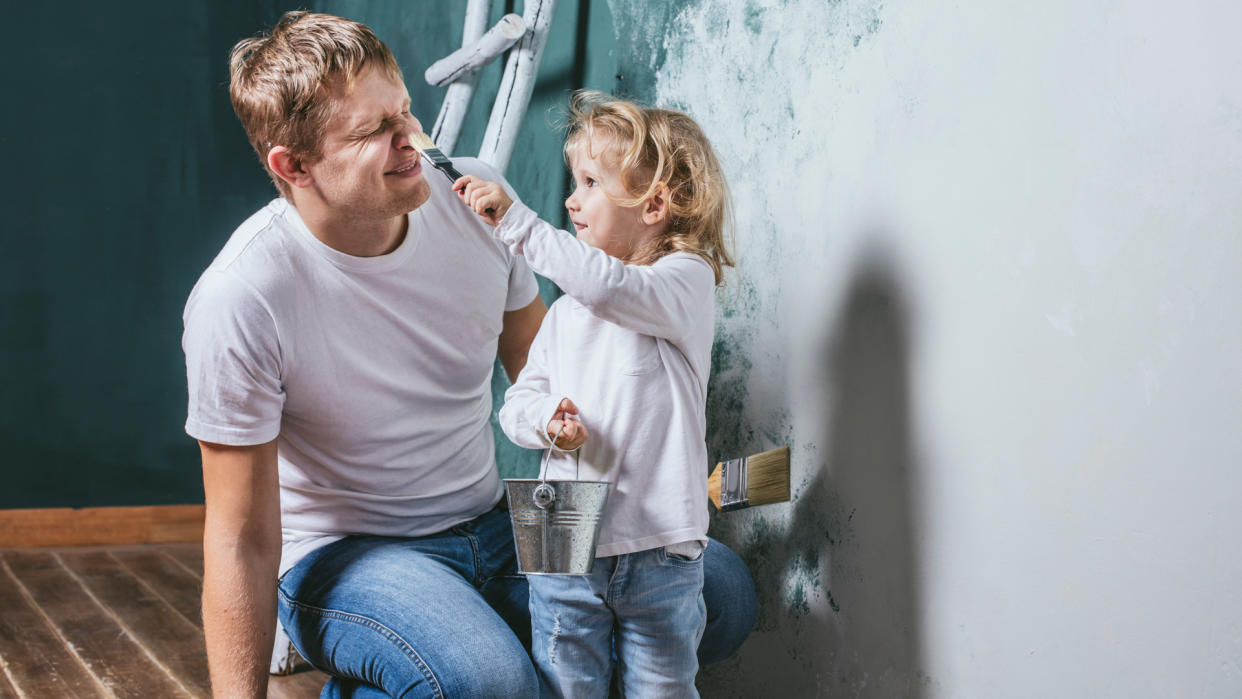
[{"x": 571, "y": 203}]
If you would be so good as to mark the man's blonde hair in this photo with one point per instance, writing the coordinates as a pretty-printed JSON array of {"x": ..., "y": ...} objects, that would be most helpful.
[
  {"x": 282, "y": 83},
  {"x": 652, "y": 147}
]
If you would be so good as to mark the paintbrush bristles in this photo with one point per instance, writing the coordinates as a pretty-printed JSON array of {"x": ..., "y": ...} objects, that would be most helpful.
[
  {"x": 421, "y": 141},
  {"x": 427, "y": 148},
  {"x": 767, "y": 479}
]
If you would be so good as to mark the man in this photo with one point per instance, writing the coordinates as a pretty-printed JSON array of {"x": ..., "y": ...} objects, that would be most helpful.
[{"x": 339, "y": 353}]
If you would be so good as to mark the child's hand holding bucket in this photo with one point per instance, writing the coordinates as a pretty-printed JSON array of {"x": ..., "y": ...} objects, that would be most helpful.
[{"x": 565, "y": 431}]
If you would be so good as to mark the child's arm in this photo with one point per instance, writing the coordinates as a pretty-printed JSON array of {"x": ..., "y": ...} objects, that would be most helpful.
[
  {"x": 668, "y": 299},
  {"x": 531, "y": 416}
]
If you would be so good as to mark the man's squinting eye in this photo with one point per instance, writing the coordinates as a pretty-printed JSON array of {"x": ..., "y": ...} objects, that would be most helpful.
[{"x": 387, "y": 123}]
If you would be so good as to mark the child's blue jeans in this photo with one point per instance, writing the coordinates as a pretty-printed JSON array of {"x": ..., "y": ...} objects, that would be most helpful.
[
  {"x": 447, "y": 614},
  {"x": 645, "y": 609}
]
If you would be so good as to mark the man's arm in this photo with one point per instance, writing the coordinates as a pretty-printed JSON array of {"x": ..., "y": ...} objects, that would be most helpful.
[
  {"x": 520, "y": 327},
  {"x": 241, "y": 556}
]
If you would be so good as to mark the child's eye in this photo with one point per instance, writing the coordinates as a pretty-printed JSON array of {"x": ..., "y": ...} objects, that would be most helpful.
[{"x": 590, "y": 182}]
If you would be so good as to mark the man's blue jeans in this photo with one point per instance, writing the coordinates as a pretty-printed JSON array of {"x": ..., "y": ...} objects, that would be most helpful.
[
  {"x": 446, "y": 615},
  {"x": 640, "y": 612}
]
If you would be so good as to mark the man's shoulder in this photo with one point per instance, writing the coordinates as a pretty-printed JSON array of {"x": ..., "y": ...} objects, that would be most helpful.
[
  {"x": 257, "y": 235},
  {"x": 251, "y": 261},
  {"x": 473, "y": 166}
]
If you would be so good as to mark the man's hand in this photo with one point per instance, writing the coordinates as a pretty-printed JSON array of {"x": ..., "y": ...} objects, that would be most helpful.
[
  {"x": 574, "y": 435},
  {"x": 488, "y": 199}
]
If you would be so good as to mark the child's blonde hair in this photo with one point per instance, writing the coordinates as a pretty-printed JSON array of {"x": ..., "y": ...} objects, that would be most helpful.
[{"x": 652, "y": 147}]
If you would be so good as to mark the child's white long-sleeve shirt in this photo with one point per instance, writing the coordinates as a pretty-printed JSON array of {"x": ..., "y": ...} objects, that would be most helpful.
[{"x": 631, "y": 346}]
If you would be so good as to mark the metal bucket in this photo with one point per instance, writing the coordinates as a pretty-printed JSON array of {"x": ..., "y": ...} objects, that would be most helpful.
[
  {"x": 556, "y": 536},
  {"x": 556, "y": 523}
]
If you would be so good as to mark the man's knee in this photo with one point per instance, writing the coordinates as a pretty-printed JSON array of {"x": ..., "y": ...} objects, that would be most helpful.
[
  {"x": 732, "y": 606},
  {"x": 501, "y": 676}
]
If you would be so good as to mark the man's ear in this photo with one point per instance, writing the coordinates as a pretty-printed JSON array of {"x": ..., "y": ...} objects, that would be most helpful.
[
  {"x": 655, "y": 210},
  {"x": 288, "y": 167}
]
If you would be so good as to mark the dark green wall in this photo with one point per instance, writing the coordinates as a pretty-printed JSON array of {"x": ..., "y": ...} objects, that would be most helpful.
[
  {"x": 126, "y": 170},
  {"x": 123, "y": 169}
]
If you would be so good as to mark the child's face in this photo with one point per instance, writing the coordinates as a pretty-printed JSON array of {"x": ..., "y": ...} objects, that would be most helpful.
[{"x": 601, "y": 223}]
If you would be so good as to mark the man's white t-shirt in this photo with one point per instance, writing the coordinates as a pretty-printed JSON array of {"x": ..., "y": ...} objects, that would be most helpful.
[{"x": 373, "y": 374}]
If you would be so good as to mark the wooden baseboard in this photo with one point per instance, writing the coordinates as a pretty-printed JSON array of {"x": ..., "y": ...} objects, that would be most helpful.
[{"x": 100, "y": 526}]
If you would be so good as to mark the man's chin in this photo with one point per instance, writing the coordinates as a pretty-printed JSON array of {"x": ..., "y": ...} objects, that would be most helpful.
[{"x": 416, "y": 197}]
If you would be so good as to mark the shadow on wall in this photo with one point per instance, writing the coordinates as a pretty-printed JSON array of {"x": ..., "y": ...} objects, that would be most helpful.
[
  {"x": 870, "y": 466},
  {"x": 839, "y": 612}
]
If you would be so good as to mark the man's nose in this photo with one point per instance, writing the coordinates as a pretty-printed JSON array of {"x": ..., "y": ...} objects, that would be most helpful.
[{"x": 402, "y": 140}]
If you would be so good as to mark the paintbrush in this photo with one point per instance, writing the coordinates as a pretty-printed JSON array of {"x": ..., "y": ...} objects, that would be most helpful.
[
  {"x": 427, "y": 147},
  {"x": 435, "y": 156},
  {"x": 761, "y": 479}
]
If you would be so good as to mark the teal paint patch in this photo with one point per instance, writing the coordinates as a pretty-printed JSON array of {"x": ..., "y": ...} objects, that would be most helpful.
[
  {"x": 733, "y": 428},
  {"x": 726, "y": 397},
  {"x": 641, "y": 31},
  {"x": 873, "y": 26},
  {"x": 832, "y": 603},
  {"x": 803, "y": 571},
  {"x": 754, "y": 18},
  {"x": 797, "y": 603}
]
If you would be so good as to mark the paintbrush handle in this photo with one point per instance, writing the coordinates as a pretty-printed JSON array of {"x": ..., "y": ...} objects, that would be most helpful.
[{"x": 449, "y": 170}]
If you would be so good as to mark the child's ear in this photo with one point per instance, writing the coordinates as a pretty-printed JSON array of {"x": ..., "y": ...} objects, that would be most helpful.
[
  {"x": 655, "y": 210},
  {"x": 288, "y": 167}
]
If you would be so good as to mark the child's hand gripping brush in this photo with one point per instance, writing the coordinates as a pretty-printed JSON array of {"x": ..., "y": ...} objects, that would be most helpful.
[
  {"x": 761, "y": 479},
  {"x": 425, "y": 146}
]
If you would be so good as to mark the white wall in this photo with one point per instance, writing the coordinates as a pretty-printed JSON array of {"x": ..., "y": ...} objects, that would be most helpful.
[{"x": 990, "y": 292}]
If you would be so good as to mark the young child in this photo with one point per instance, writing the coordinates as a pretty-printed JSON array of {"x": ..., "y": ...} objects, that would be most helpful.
[{"x": 619, "y": 368}]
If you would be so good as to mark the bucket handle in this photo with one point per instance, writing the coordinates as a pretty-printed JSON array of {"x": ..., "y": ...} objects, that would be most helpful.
[{"x": 544, "y": 494}]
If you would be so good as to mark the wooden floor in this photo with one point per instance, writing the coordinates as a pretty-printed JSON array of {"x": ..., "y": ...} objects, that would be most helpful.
[{"x": 110, "y": 622}]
